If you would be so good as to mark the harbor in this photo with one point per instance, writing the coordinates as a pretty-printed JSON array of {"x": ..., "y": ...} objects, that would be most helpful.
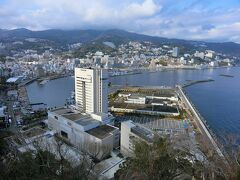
[{"x": 213, "y": 93}]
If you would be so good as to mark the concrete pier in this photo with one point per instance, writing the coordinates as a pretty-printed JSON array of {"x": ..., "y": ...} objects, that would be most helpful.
[{"x": 199, "y": 121}]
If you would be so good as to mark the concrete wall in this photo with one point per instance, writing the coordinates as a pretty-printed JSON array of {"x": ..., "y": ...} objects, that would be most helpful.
[
  {"x": 140, "y": 100},
  {"x": 125, "y": 141},
  {"x": 82, "y": 140},
  {"x": 143, "y": 111}
]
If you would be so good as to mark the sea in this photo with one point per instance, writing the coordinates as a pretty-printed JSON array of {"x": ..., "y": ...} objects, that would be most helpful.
[{"x": 217, "y": 101}]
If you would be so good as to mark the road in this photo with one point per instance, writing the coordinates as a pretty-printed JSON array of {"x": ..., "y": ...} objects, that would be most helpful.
[{"x": 13, "y": 128}]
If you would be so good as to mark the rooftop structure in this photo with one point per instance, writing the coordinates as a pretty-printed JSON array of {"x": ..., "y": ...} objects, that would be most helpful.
[
  {"x": 101, "y": 132},
  {"x": 82, "y": 120},
  {"x": 14, "y": 79},
  {"x": 61, "y": 111},
  {"x": 132, "y": 132}
]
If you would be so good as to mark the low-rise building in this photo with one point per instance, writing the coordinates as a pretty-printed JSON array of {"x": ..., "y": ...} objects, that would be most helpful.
[
  {"x": 136, "y": 99},
  {"x": 124, "y": 94},
  {"x": 165, "y": 96},
  {"x": 88, "y": 132},
  {"x": 15, "y": 80},
  {"x": 130, "y": 133},
  {"x": 3, "y": 113},
  {"x": 213, "y": 63},
  {"x": 210, "y": 54}
]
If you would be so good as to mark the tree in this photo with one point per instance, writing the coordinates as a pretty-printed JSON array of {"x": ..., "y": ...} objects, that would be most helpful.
[
  {"x": 47, "y": 160},
  {"x": 159, "y": 160}
]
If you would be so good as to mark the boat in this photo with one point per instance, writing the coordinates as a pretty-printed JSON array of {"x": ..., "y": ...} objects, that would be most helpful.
[{"x": 44, "y": 81}]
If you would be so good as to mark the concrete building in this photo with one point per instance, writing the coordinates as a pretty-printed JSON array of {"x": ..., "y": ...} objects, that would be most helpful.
[
  {"x": 199, "y": 54},
  {"x": 91, "y": 90},
  {"x": 175, "y": 52},
  {"x": 136, "y": 99},
  {"x": 85, "y": 131},
  {"x": 130, "y": 133},
  {"x": 15, "y": 80},
  {"x": 39, "y": 71},
  {"x": 213, "y": 63},
  {"x": 183, "y": 61},
  {"x": 3, "y": 113},
  {"x": 210, "y": 54}
]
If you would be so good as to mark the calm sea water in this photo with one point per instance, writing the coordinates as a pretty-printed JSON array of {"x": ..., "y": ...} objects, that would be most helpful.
[
  {"x": 53, "y": 93},
  {"x": 217, "y": 101}
]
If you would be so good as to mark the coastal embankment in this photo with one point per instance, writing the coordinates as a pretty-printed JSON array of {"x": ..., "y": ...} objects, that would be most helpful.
[
  {"x": 200, "y": 122},
  {"x": 23, "y": 97}
]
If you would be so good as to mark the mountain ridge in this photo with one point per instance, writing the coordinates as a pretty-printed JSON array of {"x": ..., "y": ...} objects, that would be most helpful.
[{"x": 117, "y": 36}]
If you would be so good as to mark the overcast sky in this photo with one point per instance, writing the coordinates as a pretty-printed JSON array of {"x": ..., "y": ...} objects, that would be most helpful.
[{"x": 213, "y": 20}]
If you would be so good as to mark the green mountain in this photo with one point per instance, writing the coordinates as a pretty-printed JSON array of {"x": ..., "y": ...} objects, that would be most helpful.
[{"x": 61, "y": 38}]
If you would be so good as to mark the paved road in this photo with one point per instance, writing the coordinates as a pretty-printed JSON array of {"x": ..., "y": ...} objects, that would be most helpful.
[{"x": 13, "y": 128}]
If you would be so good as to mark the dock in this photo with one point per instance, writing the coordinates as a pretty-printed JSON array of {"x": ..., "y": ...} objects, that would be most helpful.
[{"x": 44, "y": 82}]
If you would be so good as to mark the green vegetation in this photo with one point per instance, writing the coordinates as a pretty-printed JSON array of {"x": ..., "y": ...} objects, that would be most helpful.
[
  {"x": 198, "y": 60},
  {"x": 2, "y": 58},
  {"x": 3, "y": 144},
  {"x": 92, "y": 47},
  {"x": 42, "y": 164},
  {"x": 38, "y": 115},
  {"x": 3, "y": 147},
  {"x": 112, "y": 97},
  {"x": 160, "y": 160},
  {"x": 163, "y": 63},
  {"x": 3, "y": 84}
]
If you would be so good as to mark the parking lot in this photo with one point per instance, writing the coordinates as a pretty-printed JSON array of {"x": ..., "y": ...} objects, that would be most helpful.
[{"x": 160, "y": 125}]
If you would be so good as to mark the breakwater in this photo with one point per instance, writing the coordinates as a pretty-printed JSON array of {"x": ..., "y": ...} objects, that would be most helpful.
[
  {"x": 226, "y": 75},
  {"x": 199, "y": 121},
  {"x": 192, "y": 82}
]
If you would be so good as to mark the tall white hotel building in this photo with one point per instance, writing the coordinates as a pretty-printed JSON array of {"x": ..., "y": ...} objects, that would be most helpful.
[{"x": 91, "y": 90}]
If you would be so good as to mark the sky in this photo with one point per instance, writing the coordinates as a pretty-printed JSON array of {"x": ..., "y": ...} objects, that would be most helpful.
[{"x": 209, "y": 20}]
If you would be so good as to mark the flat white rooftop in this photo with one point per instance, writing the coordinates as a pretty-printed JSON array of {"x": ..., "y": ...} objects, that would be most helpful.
[
  {"x": 61, "y": 111},
  {"x": 82, "y": 119},
  {"x": 101, "y": 132}
]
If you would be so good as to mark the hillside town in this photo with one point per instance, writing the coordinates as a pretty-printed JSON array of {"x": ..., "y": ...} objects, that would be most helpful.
[
  {"x": 100, "y": 124},
  {"x": 132, "y": 57},
  {"x": 101, "y": 129}
]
